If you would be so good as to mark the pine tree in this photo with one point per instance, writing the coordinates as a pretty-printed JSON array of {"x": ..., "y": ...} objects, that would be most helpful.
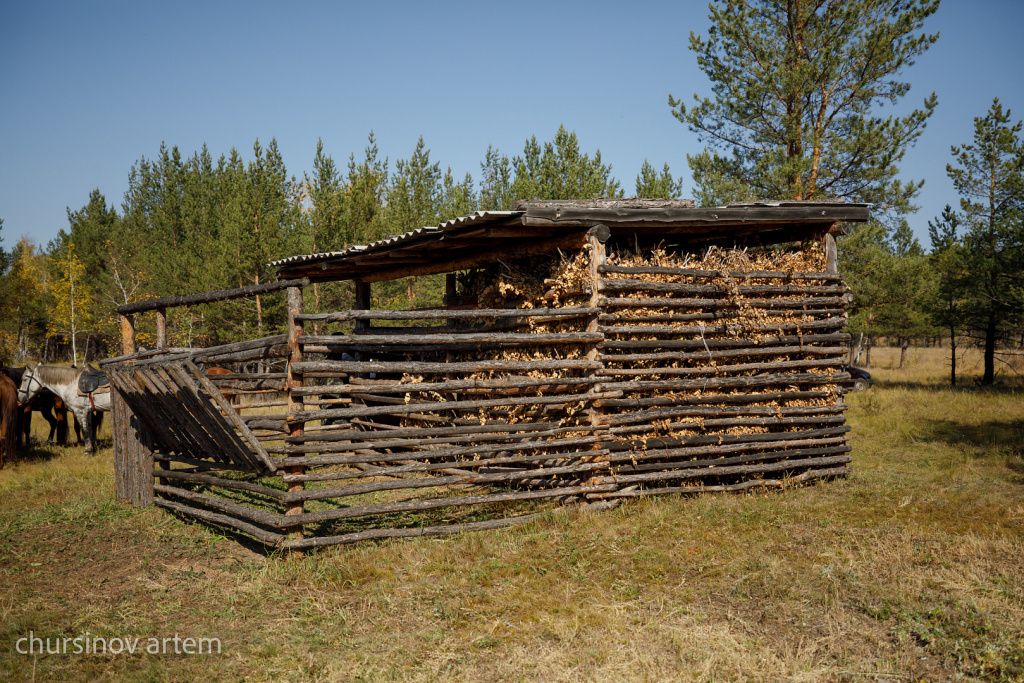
[
  {"x": 989, "y": 175},
  {"x": 560, "y": 171},
  {"x": 948, "y": 258},
  {"x": 796, "y": 84},
  {"x": 652, "y": 185}
]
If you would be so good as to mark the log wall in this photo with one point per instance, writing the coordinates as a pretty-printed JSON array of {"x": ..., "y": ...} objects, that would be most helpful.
[{"x": 635, "y": 380}]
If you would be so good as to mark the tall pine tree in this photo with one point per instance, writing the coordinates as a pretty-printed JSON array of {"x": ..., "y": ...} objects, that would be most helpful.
[
  {"x": 796, "y": 87},
  {"x": 989, "y": 175}
]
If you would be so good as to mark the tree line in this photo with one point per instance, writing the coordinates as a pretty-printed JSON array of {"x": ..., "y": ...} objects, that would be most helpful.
[
  {"x": 189, "y": 224},
  {"x": 799, "y": 90}
]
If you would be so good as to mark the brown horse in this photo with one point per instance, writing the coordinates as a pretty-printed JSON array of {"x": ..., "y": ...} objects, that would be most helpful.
[{"x": 8, "y": 418}]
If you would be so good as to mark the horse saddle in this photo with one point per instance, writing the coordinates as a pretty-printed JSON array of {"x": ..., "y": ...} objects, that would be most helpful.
[{"x": 92, "y": 380}]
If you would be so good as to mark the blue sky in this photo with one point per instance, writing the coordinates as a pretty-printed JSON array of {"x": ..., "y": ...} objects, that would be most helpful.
[{"x": 88, "y": 88}]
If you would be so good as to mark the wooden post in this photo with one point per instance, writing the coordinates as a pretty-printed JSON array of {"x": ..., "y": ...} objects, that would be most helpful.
[
  {"x": 362, "y": 302},
  {"x": 596, "y": 238},
  {"x": 294, "y": 380},
  {"x": 161, "y": 328},
  {"x": 133, "y": 459},
  {"x": 831, "y": 254},
  {"x": 161, "y": 343}
]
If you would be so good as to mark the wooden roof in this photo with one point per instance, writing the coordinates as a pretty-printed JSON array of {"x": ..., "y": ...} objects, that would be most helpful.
[{"x": 538, "y": 227}]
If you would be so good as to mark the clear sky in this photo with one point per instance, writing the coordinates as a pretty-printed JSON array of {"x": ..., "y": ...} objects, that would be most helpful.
[{"x": 88, "y": 88}]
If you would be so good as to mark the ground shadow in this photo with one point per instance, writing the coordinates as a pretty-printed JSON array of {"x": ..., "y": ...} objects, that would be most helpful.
[
  {"x": 1000, "y": 387},
  {"x": 1004, "y": 435}
]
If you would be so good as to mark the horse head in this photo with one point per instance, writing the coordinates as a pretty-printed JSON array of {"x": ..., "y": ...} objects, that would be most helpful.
[{"x": 30, "y": 384}]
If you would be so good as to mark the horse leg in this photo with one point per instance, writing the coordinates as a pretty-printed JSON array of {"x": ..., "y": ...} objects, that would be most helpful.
[
  {"x": 51, "y": 419},
  {"x": 24, "y": 434},
  {"x": 83, "y": 416}
]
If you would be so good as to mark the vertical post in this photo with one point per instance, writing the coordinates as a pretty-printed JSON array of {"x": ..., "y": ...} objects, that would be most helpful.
[
  {"x": 449, "y": 294},
  {"x": 127, "y": 334},
  {"x": 596, "y": 238},
  {"x": 294, "y": 401},
  {"x": 161, "y": 328},
  {"x": 831, "y": 254},
  {"x": 161, "y": 343},
  {"x": 363, "y": 294},
  {"x": 133, "y": 459}
]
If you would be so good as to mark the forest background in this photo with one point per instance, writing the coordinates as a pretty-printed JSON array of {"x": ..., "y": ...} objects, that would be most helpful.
[{"x": 200, "y": 220}]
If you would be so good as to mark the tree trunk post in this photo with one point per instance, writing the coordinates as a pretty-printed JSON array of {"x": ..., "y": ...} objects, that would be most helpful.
[
  {"x": 596, "y": 238},
  {"x": 362, "y": 302},
  {"x": 161, "y": 328},
  {"x": 133, "y": 459},
  {"x": 294, "y": 380},
  {"x": 831, "y": 254}
]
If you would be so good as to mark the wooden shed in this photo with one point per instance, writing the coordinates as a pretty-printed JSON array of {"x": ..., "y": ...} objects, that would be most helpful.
[{"x": 586, "y": 351}]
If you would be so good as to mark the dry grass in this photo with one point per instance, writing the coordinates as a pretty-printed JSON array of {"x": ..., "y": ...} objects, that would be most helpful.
[{"x": 911, "y": 569}]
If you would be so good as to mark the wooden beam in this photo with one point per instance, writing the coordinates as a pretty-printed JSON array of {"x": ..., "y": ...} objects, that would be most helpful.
[{"x": 208, "y": 297}]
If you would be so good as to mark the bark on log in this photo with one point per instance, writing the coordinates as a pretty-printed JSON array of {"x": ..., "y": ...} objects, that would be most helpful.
[
  {"x": 714, "y": 274},
  {"x": 209, "y": 297}
]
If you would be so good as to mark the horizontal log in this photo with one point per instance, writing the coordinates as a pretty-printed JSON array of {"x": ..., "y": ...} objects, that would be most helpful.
[
  {"x": 724, "y": 461},
  {"x": 465, "y": 386},
  {"x": 725, "y": 343},
  {"x": 309, "y": 415},
  {"x": 262, "y": 353},
  {"x": 809, "y": 475},
  {"x": 723, "y": 423},
  {"x": 354, "y": 443},
  {"x": 219, "y": 481},
  {"x": 648, "y": 416},
  {"x": 716, "y": 290},
  {"x": 698, "y": 445},
  {"x": 434, "y": 503},
  {"x": 250, "y": 514},
  {"x": 663, "y": 216},
  {"x": 720, "y": 354},
  {"x": 250, "y": 386},
  {"x": 209, "y": 297},
  {"x": 216, "y": 377},
  {"x": 743, "y": 328},
  {"x": 713, "y": 399},
  {"x": 256, "y": 532},
  {"x": 665, "y": 302},
  {"x": 445, "y": 314},
  {"x": 420, "y": 432},
  {"x": 738, "y": 274},
  {"x": 678, "y": 455},
  {"x": 667, "y": 446},
  {"x": 787, "y": 379},
  {"x": 422, "y": 368},
  {"x": 411, "y": 468},
  {"x": 718, "y": 370},
  {"x": 213, "y": 355},
  {"x": 724, "y": 471},
  {"x": 475, "y": 478},
  {"x": 411, "y": 532},
  {"x": 507, "y": 338},
  {"x": 212, "y": 465},
  {"x": 448, "y": 454},
  {"x": 711, "y": 315}
]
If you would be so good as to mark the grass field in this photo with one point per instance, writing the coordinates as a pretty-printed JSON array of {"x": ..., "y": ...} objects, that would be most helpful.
[{"x": 910, "y": 569}]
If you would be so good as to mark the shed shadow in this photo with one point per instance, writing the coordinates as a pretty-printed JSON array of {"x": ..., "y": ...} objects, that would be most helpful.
[{"x": 1005, "y": 436}]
